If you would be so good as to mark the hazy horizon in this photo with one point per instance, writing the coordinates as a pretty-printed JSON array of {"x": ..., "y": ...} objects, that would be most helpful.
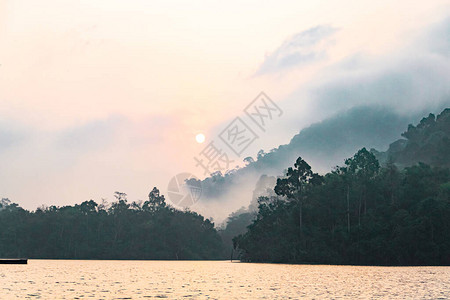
[{"x": 98, "y": 97}]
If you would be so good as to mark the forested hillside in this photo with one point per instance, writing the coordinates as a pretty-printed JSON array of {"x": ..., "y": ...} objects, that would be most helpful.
[
  {"x": 359, "y": 213},
  {"x": 378, "y": 208},
  {"x": 428, "y": 142},
  {"x": 323, "y": 144}
]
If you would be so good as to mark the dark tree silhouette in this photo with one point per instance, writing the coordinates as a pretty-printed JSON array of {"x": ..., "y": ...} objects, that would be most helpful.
[
  {"x": 403, "y": 216},
  {"x": 121, "y": 230}
]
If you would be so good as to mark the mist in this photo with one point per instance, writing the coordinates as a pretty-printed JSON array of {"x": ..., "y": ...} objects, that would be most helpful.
[{"x": 362, "y": 101}]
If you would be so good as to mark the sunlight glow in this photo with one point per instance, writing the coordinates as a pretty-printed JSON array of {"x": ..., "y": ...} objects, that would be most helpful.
[{"x": 200, "y": 138}]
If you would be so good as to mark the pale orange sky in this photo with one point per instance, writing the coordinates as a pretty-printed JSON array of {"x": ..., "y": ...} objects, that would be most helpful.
[{"x": 99, "y": 96}]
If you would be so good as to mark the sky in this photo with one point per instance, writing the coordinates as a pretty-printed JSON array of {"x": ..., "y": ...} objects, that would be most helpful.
[{"x": 104, "y": 96}]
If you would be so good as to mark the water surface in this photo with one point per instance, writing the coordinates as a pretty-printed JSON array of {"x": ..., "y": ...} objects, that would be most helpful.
[{"x": 79, "y": 279}]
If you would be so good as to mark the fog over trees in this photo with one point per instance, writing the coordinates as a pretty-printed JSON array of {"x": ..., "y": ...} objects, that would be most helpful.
[
  {"x": 377, "y": 208},
  {"x": 357, "y": 214},
  {"x": 361, "y": 213}
]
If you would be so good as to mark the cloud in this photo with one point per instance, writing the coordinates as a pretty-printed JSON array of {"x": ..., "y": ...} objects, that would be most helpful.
[
  {"x": 7, "y": 139},
  {"x": 302, "y": 48},
  {"x": 437, "y": 39},
  {"x": 411, "y": 80},
  {"x": 361, "y": 101},
  {"x": 93, "y": 135},
  {"x": 88, "y": 160},
  {"x": 11, "y": 134},
  {"x": 410, "y": 86}
]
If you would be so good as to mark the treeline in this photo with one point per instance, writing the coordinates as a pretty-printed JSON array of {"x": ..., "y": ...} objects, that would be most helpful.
[
  {"x": 122, "y": 230},
  {"x": 357, "y": 214},
  {"x": 428, "y": 142}
]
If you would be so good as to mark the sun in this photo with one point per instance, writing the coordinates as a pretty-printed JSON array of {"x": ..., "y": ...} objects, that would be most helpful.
[{"x": 200, "y": 138}]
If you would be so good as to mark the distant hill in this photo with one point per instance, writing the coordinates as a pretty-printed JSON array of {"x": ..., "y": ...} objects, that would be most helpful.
[
  {"x": 324, "y": 145},
  {"x": 428, "y": 142}
]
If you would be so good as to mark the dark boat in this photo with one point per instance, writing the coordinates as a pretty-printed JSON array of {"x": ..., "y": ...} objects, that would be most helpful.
[{"x": 19, "y": 261}]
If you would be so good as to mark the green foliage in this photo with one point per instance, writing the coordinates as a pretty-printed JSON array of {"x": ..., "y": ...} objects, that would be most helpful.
[
  {"x": 357, "y": 214},
  {"x": 428, "y": 142},
  {"x": 152, "y": 230}
]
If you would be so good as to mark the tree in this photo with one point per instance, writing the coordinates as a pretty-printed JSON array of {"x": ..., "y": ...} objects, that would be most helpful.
[
  {"x": 248, "y": 160},
  {"x": 155, "y": 201},
  {"x": 362, "y": 167},
  {"x": 87, "y": 231},
  {"x": 4, "y": 202},
  {"x": 260, "y": 154},
  {"x": 294, "y": 185}
]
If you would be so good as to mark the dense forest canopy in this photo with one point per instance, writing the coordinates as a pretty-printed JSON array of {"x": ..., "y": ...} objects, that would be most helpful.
[
  {"x": 378, "y": 208},
  {"x": 392, "y": 212},
  {"x": 357, "y": 214},
  {"x": 324, "y": 144},
  {"x": 428, "y": 142},
  {"x": 122, "y": 230}
]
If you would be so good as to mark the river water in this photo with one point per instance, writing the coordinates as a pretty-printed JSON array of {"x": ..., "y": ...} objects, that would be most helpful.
[{"x": 80, "y": 279}]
